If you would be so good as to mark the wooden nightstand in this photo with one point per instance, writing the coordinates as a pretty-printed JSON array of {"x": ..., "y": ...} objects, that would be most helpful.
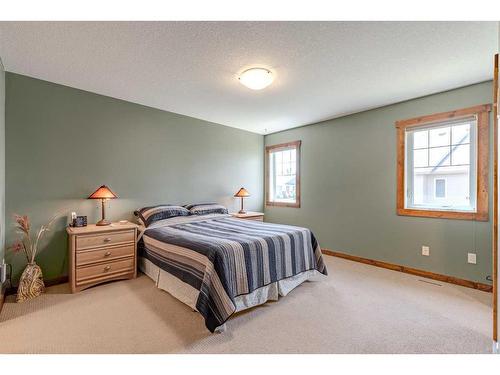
[
  {"x": 259, "y": 216},
  {"x": 99, "y": 254}
]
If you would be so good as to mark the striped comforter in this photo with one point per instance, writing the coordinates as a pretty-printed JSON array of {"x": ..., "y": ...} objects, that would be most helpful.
[{"x": 224, "y": 257}]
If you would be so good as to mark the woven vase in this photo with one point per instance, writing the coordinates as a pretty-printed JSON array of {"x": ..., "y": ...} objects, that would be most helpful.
[{"x": 31, "y": 283}]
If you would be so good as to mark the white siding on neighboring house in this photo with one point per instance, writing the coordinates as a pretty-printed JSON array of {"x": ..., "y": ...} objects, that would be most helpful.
[{"x": 457, "y": 186}]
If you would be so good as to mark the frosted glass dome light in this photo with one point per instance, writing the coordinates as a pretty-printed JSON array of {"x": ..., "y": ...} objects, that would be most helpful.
[{"x": 256, "y": 78}]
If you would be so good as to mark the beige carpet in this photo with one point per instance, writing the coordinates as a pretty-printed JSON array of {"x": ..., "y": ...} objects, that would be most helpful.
[{"x": 358, "y": 309}]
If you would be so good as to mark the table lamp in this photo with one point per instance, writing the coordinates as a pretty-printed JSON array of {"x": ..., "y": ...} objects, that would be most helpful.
[
  {"x": 104, "y": 193},
  {"x": 242, "y": 193}
]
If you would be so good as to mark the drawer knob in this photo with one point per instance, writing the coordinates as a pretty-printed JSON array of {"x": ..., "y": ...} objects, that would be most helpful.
[
  {"x": 107, "y": 254},
  {"x": 107, "y": 268},
  {"x": 107, "y": 239}
]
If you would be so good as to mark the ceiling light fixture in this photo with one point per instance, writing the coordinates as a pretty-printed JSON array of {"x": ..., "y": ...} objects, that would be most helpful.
[{"x": 256, "y": 78}]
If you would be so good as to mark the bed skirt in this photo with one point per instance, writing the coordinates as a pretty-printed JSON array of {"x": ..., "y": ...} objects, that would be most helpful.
[{"x": 189, "y": 295}]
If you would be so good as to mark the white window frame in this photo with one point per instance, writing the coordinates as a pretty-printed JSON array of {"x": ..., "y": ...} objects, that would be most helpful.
[{"x": 472, "y": 162}]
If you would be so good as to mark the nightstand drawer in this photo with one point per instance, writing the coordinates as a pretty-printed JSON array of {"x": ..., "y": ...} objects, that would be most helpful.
[
  {"x": 84, "y": 274},
  {"x": 105, "y": 239},
  {"x": 106, "y": 254}
]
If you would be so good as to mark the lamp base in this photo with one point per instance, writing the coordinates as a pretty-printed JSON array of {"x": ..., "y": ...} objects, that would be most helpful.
[
  {"x": 242, "y": 212},
  {"x": 103, "y": 222}
]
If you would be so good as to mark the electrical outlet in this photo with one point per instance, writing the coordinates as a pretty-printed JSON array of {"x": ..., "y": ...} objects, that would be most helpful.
[
  {"x": 471, "y": 258},
  {"x": 426, "y": 251}
]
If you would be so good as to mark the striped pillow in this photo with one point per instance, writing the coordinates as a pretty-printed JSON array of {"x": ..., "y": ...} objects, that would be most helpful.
[
  {"x": 206, "y": 208},
  {"x": 148, "y": 215}
]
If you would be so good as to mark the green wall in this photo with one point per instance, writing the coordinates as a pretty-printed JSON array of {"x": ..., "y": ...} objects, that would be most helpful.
[
  {"x": 63, "y": 143},
  {"x": 348, "y": 191}
]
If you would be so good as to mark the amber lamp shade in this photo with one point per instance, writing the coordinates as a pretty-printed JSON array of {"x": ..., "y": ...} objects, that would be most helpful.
[
  {"x": 242, "y": 193},
  {"x": 103, "y": 193}
]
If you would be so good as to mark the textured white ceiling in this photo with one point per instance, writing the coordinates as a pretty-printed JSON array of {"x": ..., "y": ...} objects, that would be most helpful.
[{"x": 323, "y": 69}]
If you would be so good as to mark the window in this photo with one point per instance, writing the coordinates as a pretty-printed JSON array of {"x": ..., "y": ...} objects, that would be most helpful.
[
  {"x": 443, "y": 165},
  {"x": 441, "y": 156},
  {"x": 283, "y": 175},
  {"x": 440, "y": 188}
]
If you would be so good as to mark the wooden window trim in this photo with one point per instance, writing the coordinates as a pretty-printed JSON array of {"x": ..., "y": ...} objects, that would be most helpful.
[
  {"x": 496, "y": 101},
  {"x": 482, "y": 112},
  {"x": 274, "y": 148}
]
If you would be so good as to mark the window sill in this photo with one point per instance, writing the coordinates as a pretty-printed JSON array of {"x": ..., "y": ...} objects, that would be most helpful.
[
  {"x": 283, "y": 204},
  {"x": 457, "y": 215}
]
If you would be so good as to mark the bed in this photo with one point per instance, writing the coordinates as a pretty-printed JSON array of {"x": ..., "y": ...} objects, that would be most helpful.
[{"x": 219, "y": 265}]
